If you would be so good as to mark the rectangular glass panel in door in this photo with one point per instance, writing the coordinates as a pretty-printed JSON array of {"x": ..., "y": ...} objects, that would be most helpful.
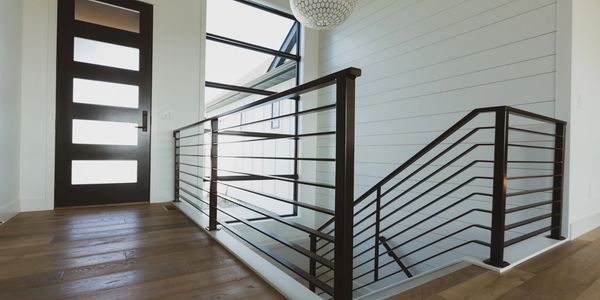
[
  {"x": 105, "y": 133},
  {"x": 105, "y": 93},
  {"x": 106, "y": 54},
  {"x": 103, "y": 171},
  {"x": 107, "y": 15}
]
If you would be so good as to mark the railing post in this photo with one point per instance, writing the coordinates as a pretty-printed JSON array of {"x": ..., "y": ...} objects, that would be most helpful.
[
  {"x": 377, "y": 231},
  {"x": 344, "y": 184},
  {"x": 558, "y": 181},
  {"x": 499, "y": 189},
  {"x": 176, "y": 156},
  {"x": 214, "y": 165},
  {"x": 313, "y": 263}
]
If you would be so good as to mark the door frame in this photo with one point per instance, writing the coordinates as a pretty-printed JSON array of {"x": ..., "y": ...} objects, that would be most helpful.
[{"x": 66, "y": 68}]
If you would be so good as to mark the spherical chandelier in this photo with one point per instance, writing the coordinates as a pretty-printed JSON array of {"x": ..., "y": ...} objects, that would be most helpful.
[{"x": 322, "y": 14}]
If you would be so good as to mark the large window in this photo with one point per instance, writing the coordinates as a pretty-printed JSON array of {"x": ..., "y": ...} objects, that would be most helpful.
[
  {"x": 249, "y": 49},
  {"x": 252, "y": 51}
]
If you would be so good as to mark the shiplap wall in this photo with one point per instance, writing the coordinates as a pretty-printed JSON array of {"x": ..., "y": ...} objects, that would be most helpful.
[{"x": 426, "y": 64}]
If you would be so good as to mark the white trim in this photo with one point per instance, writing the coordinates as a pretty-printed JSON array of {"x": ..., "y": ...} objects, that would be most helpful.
[
  {"x": 281, "y": 281},
  {"x": 8, "y": 211},
  {"x": 585, "y": 224}
]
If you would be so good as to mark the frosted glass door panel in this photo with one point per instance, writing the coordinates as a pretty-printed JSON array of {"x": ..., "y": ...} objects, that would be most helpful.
[
  {"x": 103, "y": 171},
  {"x": 104, "y": 133},
  {"x": 106, "y": 54},
  {"x": 105, "y": 93}
]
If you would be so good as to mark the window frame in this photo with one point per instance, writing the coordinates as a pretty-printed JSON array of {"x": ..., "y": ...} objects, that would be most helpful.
[{"x": 279, "y": 57}]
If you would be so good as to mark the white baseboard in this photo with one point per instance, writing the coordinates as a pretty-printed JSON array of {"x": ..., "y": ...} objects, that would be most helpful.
[
  {"x": 585, "y": 225},
  {"x": 278, "y": 279},
  {"x": 9, "y": 210}
]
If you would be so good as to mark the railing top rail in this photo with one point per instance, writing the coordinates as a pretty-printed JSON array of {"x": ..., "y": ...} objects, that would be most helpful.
[
  {"x": 531, "y": 115},
  {"x": 290, "y": 93}
]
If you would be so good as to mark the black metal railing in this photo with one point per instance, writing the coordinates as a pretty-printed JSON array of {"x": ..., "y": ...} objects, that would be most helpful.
[
  {"x": 388, "y": 214},
  {"x": 492, "y": 180},
  {"x": 206, "y": 178}
]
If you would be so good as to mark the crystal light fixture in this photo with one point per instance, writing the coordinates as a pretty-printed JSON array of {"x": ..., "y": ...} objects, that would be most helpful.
[{"x": 322, "y": 14}]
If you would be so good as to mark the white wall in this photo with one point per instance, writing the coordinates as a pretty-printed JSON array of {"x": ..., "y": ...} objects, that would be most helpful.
[
  {"x": 176, "y": 94},
  {"x": 10, "y": 78},
  {"x": 584, "y": 126}
]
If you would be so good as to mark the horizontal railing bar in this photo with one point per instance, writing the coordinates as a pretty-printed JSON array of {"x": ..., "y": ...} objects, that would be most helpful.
[
  {"x": 241, "y": 44},
  {"x": 532, "y": 131},
  {"x": 256, "y": 134},
  {"x": 528, "y": 221},
  {"x": 193, "y": 145},
  {"x": 283, "y": 179},
  {"x": 193, "y": 195},
  {"x": 253, "y": 177},
  {"x": 527, "y": 236},
  {"x": 292, "y": 202},
  {"x": 194, "y": 175},
  {"x": 194, "y": 185},
  {"x": 277, "y": 218},
  {"x": 532, "y": 177},
  {"x": 237, "y": 88},
  {"x": 192, "y": 165},
  {"x": 534, "y": 162},
  {"x": 192, "y": 135},
  {"x": 194, "y": 204},
  {"x": 528, "y": 206},
  {"x": 533, "y": 147},
  {"x": 524, "y": 113},
  {"x": 290, "y": 93},
  {"x": 527, "y": 192},
  {"x": 280, "y": 158},
  {"x": 303, "y": 112},
  {"x": 293, "y": 137}
]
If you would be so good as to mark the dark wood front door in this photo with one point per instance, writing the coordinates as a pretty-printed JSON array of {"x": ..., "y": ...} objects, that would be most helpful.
[{"x": 104, "y": 77}]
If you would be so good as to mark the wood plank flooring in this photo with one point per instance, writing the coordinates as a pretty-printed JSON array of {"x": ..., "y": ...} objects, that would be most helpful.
[
  {"x": 121, "y": 252},
  {"x": 571, "y": 271}
]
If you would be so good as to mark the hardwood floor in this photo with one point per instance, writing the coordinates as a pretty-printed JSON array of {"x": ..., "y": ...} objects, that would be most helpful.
[
  {"x": 571, "y": 271},
  {"x": 121, "y": 252}
]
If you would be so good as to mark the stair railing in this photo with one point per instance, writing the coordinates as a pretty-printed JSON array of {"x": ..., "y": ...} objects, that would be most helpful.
[
  {"x": 201, "y": 178},
  {"x": 370, "y": 206}
]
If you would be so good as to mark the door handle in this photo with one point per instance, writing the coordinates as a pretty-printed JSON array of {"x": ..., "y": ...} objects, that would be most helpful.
[{"x": 144, "y": 126}]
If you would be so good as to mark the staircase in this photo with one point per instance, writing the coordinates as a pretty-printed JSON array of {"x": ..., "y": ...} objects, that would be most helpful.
[{"x": 490, "y": 184}]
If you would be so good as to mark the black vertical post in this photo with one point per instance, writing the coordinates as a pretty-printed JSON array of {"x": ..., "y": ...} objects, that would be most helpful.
[
  {"x": 313, "y": 263},
  {"x": 499, "y": 189},
  {"x": 558, "y": 181},
  {"x": 214, "y": 165},
  {"x": 377, "y": 231},
  {"x": 344, "y": 184},
  {"x": 176, "y": 156}
]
